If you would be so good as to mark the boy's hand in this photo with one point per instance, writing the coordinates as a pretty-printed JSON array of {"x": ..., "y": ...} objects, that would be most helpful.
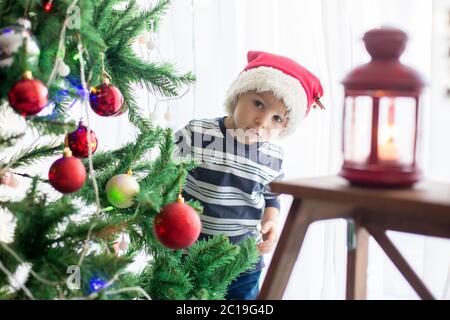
[{"x": 269, "y": 230}]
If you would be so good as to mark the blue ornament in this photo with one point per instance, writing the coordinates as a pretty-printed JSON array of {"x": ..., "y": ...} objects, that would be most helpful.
[{"x": 96, "y": 283}]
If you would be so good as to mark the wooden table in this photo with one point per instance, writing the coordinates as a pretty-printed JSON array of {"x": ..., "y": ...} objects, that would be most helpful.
[{"x": 423, "y": 209}]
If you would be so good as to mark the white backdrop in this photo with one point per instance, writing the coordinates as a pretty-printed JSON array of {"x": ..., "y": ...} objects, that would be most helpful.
[{"x": 211, "y": 38}]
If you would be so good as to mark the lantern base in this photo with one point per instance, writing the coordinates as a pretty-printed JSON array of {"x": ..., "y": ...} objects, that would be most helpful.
[{"x": 381, "y": 179}]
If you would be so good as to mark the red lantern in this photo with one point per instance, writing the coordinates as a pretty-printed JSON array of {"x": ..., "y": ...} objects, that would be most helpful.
[{"x": 381, "y": 129}]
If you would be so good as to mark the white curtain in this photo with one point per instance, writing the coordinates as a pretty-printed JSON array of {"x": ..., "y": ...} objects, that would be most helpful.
[{"x": 211, "y": 38}]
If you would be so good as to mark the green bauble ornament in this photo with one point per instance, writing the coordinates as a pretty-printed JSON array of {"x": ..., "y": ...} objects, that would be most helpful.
[{"x": 121, "y": 189}]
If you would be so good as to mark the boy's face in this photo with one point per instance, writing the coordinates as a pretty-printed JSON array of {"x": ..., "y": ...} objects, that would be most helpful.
[{"x": 258, "y": 117}]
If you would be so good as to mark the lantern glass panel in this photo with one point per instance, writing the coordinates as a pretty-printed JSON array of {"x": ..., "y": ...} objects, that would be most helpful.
[
  {"x": 396, "y": 130},
  {"x": 357, "y": 128}
]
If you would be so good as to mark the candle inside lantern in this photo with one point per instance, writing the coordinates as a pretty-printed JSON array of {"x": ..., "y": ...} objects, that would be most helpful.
[{"x": 387, "y": 148}]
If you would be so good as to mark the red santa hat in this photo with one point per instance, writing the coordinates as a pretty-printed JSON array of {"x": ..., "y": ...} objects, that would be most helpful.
[{"x": 295, "y": 85}]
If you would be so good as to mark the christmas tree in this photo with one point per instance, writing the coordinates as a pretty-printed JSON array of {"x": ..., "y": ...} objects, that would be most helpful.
[{"x": 51, "y": 52}]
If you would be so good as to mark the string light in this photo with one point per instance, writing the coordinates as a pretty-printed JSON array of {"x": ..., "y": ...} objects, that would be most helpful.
[
  {"x": 48, "y": 6},
  {"x": 96, "y": 283},
  {"x": 158, "y": 55}
]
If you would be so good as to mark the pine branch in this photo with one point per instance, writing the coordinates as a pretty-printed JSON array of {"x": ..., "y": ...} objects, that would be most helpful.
[
  {"x": 248, "y": 256},
  {"x": 155, "y": 14},
  {"x": 216, "y": 262},
  {"x": 196, "y": 205},
  {"x": 120, "y": 21},
  {"x": 31, "y": 155},
  {"x": 75, "y": 233},
  {"x": 103, "y": 9},
  {"x": 143, "y": 124},
  {"x": 158, "y": 78},
  {"x": 49, "y": 234},
  {"x": 10, "y": 140},
  {"x": 165, "y": 279},
  {"x": 56, "y": 126},
  {"x": 143, "y": 143}
]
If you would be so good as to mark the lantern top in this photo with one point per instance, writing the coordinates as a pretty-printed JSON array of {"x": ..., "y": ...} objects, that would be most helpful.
[
  {"x": 385, "y": 43},
  {"x": 385, "y": 72}
]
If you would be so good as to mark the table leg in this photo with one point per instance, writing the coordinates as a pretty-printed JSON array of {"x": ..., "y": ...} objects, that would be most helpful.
[
  {"x": 357, "y": 258},
  {"x": 286, "y": 253},
  {"x": 399, "y": 261}
]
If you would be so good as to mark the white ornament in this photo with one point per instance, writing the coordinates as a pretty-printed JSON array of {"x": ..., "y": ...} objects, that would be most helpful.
[
  {"x": 151, "y": 41},
  {"x": 142, "y": 39},
  {"x": 123, "y": 244},
  {"x": 25, "y": 23},
  {"x": 148, "y": 39},
  {"x": 12, "y": 38},
  {"x": 120, "y": 245},
  {"x": 168, "y": 116},
  {"x": 153, "y": 116},
  {"x": 63, "y": 69}
]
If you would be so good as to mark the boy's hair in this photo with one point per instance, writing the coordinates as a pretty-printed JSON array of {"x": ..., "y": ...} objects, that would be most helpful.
[{"x": 295, "y": 85}]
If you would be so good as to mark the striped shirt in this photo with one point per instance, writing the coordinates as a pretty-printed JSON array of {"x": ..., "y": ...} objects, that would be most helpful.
[{"x": 232, "y": 179}]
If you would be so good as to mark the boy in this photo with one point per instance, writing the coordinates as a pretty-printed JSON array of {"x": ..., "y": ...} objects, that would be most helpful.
[{"x": 237, "y": 160}]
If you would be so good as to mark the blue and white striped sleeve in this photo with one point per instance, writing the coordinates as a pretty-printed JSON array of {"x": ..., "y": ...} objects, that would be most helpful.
[
  {"x": 271, "y": 198},
  {"x": 183, "y": 141}
]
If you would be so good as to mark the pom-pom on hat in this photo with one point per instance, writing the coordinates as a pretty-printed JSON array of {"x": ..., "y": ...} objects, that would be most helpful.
[{"x": 295, "y": 85}]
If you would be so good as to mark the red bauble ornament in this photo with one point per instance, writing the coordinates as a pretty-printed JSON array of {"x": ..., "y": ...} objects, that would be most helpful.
[
  {"x": 106, "y": 100},
  {"x": 28, "y": 96},
  {"x": 67, "y": 174},
  {"x": 122, "y": 110},
  {"x": 77, "y": 141},
  {"x": 177, "y": 226}
]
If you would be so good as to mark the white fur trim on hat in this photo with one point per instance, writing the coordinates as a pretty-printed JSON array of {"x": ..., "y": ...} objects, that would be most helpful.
[{"x": 283, "y": 86}]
